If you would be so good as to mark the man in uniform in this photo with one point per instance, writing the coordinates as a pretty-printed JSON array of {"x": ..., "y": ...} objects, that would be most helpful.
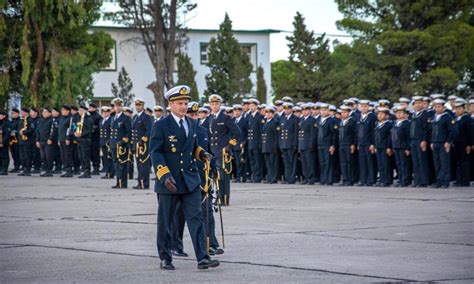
[
  {"x": 223, "y": 135},
  {"x": 54, "y": 146},
  {"x": 35, "y": 152},
  {"x": 270, "y": 145},
  {"x": 119, "y": 143},
  {"x": 95, "y": 139},
  {"x": 14, "y": 148},
  {"x": 306, "y": 145},
  {"x": 83, "y": 136},
  {"x": 327, "y": 133},
  {"x": 131, "y": 163},
  {"x": 347, "y": 146},
  {"x": 43, "y": 138},
  {"x": 365, "y": 144},
  {"x": 158, "y": 112},
  {"x": 75, "y": 151},
  {"x": 4, "y": 141},
  {"x": 462, "y": 143},
  {"x": 240, "y": 151},
  {"x": 383, "y": 146},
  {"x": 105, "y": 144},
  {"x": 65, "y": 140},
  {"x": 26, "y": 141},
  {"x": 419, "y": 137},
  {"x": 255, "y": 120},
  {"x": 288, "y": 141},
  {"x": 442, "y": 135},
  {"x": 173, "y": 149},
  {"x": 400, "y": 135},
  {"x": 141, "y": 129}
]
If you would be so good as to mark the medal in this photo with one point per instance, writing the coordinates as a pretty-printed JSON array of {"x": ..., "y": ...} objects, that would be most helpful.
[{"x": 173, "y": 149}]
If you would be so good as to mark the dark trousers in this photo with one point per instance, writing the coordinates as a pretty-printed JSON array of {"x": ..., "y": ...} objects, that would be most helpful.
[
  {"x": 108, "y": 165},
  {"x": 384, "y": 165},
  {"x": 325, "y": 164},
  {"x": 84, "y": 149},
  {"x": 76, "y": 158},
  {"x": 4, "y": 159},
  {"x": 66, "y": 156},
  {"x": 442, "y": 163},
  {"x": 26, "y": 150},
  {"x": 143, "y": 168},
  {"x": 130, "y": 167},
  {"x": 177, "y": 228},
  {"x": 256, "y": 164},
  {"x": 121, "y": 170},
  {"x": 15, "y": 152},
  {"x": 307, "y": 165},
  {"x": 36, "y": 158},
  {"x": 403, "y": 167},
  {"x": 191, "y": 205},
  {"x": 224, "y": 183},
  {"x": 316, "y": 166},
  {"x": 348, "y": 163},
  {"x": 462, "y": 164},
  {"x": 240, "y": 174},
  {"x": 366, "y": 166},
  {"x": 209, "y": 221},
  {"x": 95, "y": 154},
  {"x": 289, "y": 161},
  {"x": 272, "y": 163},
  {"x": 47, "y": 155},
  {"x": 420, "y": 164}
]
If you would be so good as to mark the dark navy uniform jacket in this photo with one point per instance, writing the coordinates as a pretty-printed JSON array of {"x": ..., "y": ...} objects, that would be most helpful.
[
  {"x": 174, "y": 154},
  {"x": 365, "y": 130},
  {"x": 86, "y": 129},
  {"x": 141, "y": 128},
  {"x": 289, "y": 132},
  {"x": 65, "y": 131},
  {"x": 348, "y": 132},
  {"x": 462, "y": 130},
  {"x": 222, "y": 132},
  {"x": 5, "y": 126},
  {"x": 305, "y": 133},
  {"x": 105, "y": 131},
  {"x": 54, "y": 129},
  {"x": 420, "y": 126},
  {"x": 29, "y": 131},
  {"x": 254, "y": 130},
  {"x": 401, "y": 135},
  {"x": 382, "y": 134},
  {"x": 120, "y": 130},
  {"x": 327, "y": 132},
  {"x": 270, "y": 136},
  {"x": 243, "y": 125},
  {"x": 205, "y": 123},
  {"x": 442, "y": 130},
  {"x": 96, "y": 118},
  {"x": 14, "y": 126},
  {"x": 44, "y": 129}
]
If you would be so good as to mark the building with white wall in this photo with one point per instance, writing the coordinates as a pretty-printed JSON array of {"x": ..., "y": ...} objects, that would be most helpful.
[{"x": 133, "y": 56}]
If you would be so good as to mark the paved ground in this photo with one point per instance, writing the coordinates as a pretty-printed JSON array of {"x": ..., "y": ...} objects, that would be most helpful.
[{"x": 72, "y": 230}]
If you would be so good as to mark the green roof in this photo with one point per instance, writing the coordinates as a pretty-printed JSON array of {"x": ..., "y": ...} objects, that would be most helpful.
[{"x": 264, "y": 31}]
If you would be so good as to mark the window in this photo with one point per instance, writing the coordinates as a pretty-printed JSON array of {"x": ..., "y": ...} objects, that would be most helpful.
[
  {"x": 248, "y": 48},
  {"x": 113, "y": 63}
]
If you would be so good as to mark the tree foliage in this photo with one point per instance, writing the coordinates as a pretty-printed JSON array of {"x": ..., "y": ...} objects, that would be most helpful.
[
  {"x": 261, "y": 85},
  {"x": 230, "y": 67},
  {"x": 49, "y": 52},
  {"x": 187, "y": 75},
  {"x": 124, "y": 88}
]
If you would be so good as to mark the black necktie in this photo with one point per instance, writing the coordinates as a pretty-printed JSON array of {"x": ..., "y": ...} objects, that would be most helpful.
[{"x": 181, "y": 126}]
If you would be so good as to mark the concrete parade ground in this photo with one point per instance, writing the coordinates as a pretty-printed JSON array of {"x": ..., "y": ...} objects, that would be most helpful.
[{"x": 80, "y": 230}]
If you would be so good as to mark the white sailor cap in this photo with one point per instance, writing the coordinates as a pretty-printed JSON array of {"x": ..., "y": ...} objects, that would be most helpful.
[
  {"x": 270, "y": 109},
  {"x": 332, "y": 107},
  {"x": 203, "y": 109},
  {"x": 254, "y": 101},
  {"x": 323, "y": 105},
  {"x": 364, "y": 102},
  {"x": 459, "y": 102},
  {"x": 439, "y": 102},
  {"x": 237, "y": 106},
  {"x": 262, "y": 106},
  {"x": 288, "y": 105},
  {"x": 317, "y": 105},
  {"x": 471, "y": 101},
  {"x": 278, "y": 102},
  {"x": 296, "y": 109},
  {"x": 178, "y": 93},
  {"x": 400, "y": 108},
  {"x": 157, "y": 108},
  {"x": 452, "y": 97},
  {"x": 417, "y": 98},
  {"x": 193, "y": 106},
  {"x": 105, "y": 108},
  {"x": 139, "y": 101},
  {"x": 404, "y": 100},
  {"x": 345, "y": 108},
  {"x": 215, "y": 98},
  {"x": 383, "y": 109},
  {"x": 306, "y": 106},
  {"x": 287, "y": 99},
  {"x": 437, "y": 96},
  {"x": 384, "y": 102}
]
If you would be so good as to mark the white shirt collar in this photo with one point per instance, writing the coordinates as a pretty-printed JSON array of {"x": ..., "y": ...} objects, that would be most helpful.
[{"x": 177, "y": 119}]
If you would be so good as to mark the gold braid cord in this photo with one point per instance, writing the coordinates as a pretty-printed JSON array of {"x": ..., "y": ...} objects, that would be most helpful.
[
  {"x": 122, "y": 151},
  {"x": 226, "y": 161}
]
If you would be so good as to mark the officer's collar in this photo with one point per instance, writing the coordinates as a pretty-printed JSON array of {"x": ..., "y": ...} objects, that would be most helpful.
[{"x": 177, "y": 119}]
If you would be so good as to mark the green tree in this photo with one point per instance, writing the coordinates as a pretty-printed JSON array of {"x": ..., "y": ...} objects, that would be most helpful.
[
  {"x": 261, "y": 86},
  {"x": 283, "y": 79},
  {"x": 230, "y": 67},
  {"x": 421, "y": 46},
  {"x": 310, "y": 60},
  {"x": 51, "y": 53},
  {"x": 124, "y": 88},
  {"x": 187, "y": 75}
]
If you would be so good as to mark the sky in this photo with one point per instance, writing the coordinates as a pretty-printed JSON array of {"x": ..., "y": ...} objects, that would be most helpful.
[{"x": 320, "y": 16}]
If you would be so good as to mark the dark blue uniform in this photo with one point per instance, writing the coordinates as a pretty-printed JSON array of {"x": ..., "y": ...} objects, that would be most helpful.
[
  {"x": 348, "y": 139},
  {"x": 141, "y": 130},
  {"x": 419, "y": 132},
  {"x": 14, "y": 149},
  {"x": 173, "y": 153},
  {"x": 241, "y": 149},
  {"x": 401, "y": 146},
  {"x": 120, "y": 131},
  {"x": 108, "y": 166},
  {"x": 5, "y": 129},
  {"x": 383, "y": 142},
  {"x": 65, "y": 133},
  {"x": 26, "y": 140},
  {"x": 288, "y": 143},
  {"x": 95, "y": 141},
  {"x": 270, "y": 149},
  {"x": 84, "y": 145},
  {"x": 442, "y": 127},
  {"x": 223, "y": 134},
  {"x": 462, "y": 139},
  {"x": 365, "y": 138},
  {"x": 44, "y": 134},
  {"x": 306, "y": 148},
  {"x": 255, "y": 122},
  {"x": 327, "y": 137}
]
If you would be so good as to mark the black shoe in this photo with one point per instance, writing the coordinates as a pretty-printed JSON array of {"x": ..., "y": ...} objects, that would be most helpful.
[
  {"x": 35, "y": 171},
  {"x": 166, "y": 265},
  {"x": 445, "y": 186},
  {"x": 84, "y": 175},
  {"x": 3, "y": 173},
  {"x": 179, "y": 253},
  {"x": 137, "y": 187},
  {"x": 105, "y": 177},
  {"x": 213, "y": 251},
  {"x": 24, "y": 174},
  {"x": 95, "y": 173},
  {"x": 46, "y": 175},
  {"x": 208, "y": 262},
  {"x": 435, "y": 186},
  {"x": 361, "y": 184},
  {"x": 115, "y": 186},
  {"x": 14, "y": 170}
]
